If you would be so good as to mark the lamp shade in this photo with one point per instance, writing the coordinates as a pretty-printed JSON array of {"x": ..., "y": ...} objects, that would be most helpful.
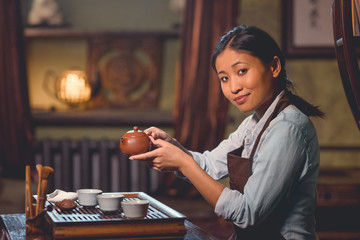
[{"x": 73, "y": 87}]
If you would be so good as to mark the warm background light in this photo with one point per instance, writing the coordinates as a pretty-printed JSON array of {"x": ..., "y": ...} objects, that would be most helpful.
[{"x": 73, "y": 87}]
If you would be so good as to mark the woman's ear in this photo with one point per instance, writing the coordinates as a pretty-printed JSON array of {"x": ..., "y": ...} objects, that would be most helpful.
[{"x": 275, "y": 66}]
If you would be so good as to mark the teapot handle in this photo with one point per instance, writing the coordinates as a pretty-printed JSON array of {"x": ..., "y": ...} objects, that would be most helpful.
[{"x": 50, "y": 75}]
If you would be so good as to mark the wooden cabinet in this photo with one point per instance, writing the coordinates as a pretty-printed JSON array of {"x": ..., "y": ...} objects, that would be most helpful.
[{"x": 338, "y": 206}]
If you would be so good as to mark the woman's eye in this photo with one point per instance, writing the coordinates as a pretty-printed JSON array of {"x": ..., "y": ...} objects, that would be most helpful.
[
  {"x": 223, "y": 79},
  {"x": 242, "y": 71}
]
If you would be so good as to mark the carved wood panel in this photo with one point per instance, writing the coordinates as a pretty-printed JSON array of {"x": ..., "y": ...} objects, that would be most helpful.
[{"x": 125, "y": 70}]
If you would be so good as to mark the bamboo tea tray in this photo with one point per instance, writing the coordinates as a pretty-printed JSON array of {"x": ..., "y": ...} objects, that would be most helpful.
[{"x": 161, "y": 222}]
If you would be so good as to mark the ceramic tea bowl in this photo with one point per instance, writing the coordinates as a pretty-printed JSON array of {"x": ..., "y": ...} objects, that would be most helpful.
[
  {"x": 135, "y": 208},
  {"x": 110, "y": 202},
  {"x": 87, "y": 197}
]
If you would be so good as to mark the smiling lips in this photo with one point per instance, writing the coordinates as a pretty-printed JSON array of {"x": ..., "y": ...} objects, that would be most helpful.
[{"x": 241, "y": 99}]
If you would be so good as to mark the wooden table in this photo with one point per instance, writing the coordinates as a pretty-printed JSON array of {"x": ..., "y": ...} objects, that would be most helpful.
[{"x": 13, "y": 225}]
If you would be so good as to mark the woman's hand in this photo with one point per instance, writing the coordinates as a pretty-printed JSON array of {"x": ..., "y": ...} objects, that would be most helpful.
[
  {"x": 157, "y": 133},
  {"x": 166, "y": 156},
  {"x": 169, "y": 157}
]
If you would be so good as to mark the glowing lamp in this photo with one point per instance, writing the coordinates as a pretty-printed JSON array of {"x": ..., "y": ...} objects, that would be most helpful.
[{"x": 73, "y": 87}]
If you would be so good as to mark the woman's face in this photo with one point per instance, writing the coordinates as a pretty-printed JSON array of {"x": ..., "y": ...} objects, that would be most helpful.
[{"x": 246, "y": 81}]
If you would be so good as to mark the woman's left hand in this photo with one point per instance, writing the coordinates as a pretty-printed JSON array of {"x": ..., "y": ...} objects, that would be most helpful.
[{"x": 166, "y": 157}]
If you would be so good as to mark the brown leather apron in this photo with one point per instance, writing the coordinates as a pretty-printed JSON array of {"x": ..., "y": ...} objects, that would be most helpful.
[{"x": 240, "y": 169}]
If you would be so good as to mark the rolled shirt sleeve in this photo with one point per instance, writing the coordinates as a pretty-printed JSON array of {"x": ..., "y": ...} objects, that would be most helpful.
[{"x": 215, "y": 162}]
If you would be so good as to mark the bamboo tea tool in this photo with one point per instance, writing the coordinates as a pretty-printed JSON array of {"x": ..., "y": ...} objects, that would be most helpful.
[
  {"x": 28, "y": 194},
  {"x": 44, "y": 174}
]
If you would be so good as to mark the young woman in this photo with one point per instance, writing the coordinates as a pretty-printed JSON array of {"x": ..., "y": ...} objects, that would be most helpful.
[{"x": 272, "y": 159}]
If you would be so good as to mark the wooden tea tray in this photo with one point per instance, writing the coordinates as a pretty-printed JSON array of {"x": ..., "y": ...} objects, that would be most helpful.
[{"x": 161, "y": 222}]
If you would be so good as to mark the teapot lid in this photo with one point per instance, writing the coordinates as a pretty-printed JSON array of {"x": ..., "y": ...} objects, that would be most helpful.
[{"x": 135, "y": 132}]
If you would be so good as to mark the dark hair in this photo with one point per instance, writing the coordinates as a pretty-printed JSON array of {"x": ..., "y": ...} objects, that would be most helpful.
[{"x": 264, "y": 47}]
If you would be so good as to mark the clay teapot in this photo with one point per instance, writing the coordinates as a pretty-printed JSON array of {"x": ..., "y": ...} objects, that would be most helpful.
[{"x": 135, "y": 142}]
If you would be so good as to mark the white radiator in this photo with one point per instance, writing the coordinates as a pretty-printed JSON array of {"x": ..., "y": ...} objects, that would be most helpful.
[{"x": 94, "y": 164}]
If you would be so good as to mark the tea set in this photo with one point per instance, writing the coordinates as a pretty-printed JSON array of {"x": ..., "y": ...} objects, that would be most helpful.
[
  {"x": 108, "y": 202},
  {"x": 131, "y": 143}
]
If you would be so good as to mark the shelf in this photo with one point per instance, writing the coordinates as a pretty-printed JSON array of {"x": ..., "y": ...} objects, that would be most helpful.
[
  {"x": 106, "y": 118},
  {"x": 73, "y": 33}
]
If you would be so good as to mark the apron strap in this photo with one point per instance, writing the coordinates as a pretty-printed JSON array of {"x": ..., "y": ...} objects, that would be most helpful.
[
  {"x": 270, "y": 229},
  {"x": 281, "y": 105}
]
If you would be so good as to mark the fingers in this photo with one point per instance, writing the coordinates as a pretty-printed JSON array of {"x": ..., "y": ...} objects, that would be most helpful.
[
  {"x": 153, "y": 131},
  {"x": 157, "y": 133},
  {"x": 151, "y": 154},
  {"x": 159, "y": 142},
  {"x": 152, "y": 139},
  {"x": 142, "y": 156},
  {"x": 149, "y": 130},
  {"x": 161, "y": 158}
]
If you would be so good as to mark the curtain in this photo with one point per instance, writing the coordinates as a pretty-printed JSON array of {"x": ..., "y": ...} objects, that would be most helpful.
[
  {"x": 16, "y": 132},
  {"x": 201, "y": 109}
]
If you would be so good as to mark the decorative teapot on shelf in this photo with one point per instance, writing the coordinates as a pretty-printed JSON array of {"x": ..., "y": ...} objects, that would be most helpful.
[{"x": 135, "y": 142}]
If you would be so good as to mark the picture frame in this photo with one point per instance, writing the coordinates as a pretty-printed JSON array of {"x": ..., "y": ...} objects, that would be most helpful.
[{"x": 307, "y": 29}]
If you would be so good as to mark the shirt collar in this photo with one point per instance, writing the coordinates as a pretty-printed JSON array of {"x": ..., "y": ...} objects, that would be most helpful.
[{"x": 257, "y": 124}]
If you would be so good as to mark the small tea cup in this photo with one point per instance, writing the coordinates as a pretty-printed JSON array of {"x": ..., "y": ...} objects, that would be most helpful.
[
  {"x": 110, "y": 202},
  {"x": 87, "y": 197},
  {"x": 135, "y": 208}
]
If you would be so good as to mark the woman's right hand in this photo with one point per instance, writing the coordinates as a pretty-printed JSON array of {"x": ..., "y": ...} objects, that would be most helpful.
[{"x": 157, "y": 133}]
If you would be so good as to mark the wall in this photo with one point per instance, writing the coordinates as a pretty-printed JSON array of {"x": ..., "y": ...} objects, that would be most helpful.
[{"x": 317, "y": 80}]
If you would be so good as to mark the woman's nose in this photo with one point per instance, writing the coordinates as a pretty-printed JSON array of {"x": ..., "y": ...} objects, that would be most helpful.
[{"x": 235, "y": 85}]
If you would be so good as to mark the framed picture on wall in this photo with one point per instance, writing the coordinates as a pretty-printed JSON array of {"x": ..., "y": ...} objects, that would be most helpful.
[{"x": 307, "y": 29}]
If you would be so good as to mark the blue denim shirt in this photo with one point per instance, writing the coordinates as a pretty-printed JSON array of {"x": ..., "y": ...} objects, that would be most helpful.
[{"x": 285, "y": 172}]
